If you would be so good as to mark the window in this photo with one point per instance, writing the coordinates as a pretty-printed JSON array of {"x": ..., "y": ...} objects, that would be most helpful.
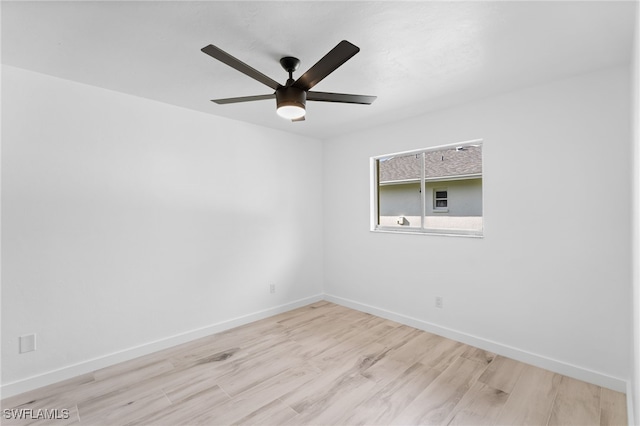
[
  {"x": 429, "y": 191},
  {"x": 440, "y": 200}
]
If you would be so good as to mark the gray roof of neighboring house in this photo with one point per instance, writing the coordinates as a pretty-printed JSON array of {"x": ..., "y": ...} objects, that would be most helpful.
[{"x": 442, "y": 163}]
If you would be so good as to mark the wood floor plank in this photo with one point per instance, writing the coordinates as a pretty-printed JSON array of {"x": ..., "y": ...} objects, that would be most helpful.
[
  {"x": 442, "y": 352},
  {"x": 345, "y": 352},
  {"x": 254, "y": 399},
  {"x": 502, "y": 373},
  {"x": 121, "y": 407},
  {"x": 292, "y": 380},
  {"x": 216, "y": 349},
  {"x": 181, "y": 390},
  {"x": 358, "y": 327},
  {"x": 481, "y": 405},
  {"x": 478, "y": 355},
  {"x": 387, "y": 403},
  {"x": 314, "y": 345},
  {"x": 251, "y": 371},
  {"x": 149, "y": 363},
  {"x": 251, "y": 375},
  {"x": 57, "y": 392},
  {"x": 435, "y": 351},
  {"x": 179, "y": 383},
  {"x": 576, "y": 403},
  {"x": 194, "y": 410},
  {"x": 378, "y": 331},
  {"x": 613, "y": 408},
  {"x": 434, "y": 404},
  {"x": 274, "y": 413},
  {"x": 323, "y": 326},
  {"x": 346, "y": 367},
  {"x": 404, "y": 348},
  {"x": 413, "y": 348},
  {"x": 385, "y": 371},
  {"x": 400, "y": 336},
  {"x": 140, "y": 370},
  {"x": 308, "y": 319},
  {"x": 329, "y": 406},
  {"x": 117, "y": 384},
  {"x": 323, "y": 308},
  {"x": 532, "y": 398}
]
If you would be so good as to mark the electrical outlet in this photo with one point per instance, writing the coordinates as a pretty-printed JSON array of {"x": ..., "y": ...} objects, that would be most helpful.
[
  {"x": 27, "y": 343},
  {"x": 272, "y": 288},
  {"x": 439, "y": 302}
]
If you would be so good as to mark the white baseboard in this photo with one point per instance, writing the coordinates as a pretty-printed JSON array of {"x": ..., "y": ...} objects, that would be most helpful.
[
  {"x": 68, "y": 372},
  {"x": 550, "y": 364}
]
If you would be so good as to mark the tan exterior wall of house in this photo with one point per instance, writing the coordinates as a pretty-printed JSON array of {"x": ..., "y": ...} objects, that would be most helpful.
[{"x": 464, "y": 198}]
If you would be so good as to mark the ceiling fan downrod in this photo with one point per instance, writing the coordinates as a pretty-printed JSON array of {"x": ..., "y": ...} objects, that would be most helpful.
[{"x": 290, "y": 64}]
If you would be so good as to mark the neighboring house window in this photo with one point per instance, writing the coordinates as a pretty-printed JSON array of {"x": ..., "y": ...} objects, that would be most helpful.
[
  {"x": 432, "y": 190},
  {"x": 440, "y": 200}
]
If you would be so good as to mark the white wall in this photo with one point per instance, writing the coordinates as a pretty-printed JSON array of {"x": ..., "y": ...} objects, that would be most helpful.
[
  {"x": 549, "y": 282},
  {"x": 126, "y": 221}
]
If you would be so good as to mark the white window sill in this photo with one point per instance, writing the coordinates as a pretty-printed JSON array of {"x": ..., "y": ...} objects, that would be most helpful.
[{"x": 439, "y": 232}]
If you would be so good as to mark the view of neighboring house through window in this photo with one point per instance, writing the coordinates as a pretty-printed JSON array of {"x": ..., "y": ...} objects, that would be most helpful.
[{"x": 432, "y": 190}]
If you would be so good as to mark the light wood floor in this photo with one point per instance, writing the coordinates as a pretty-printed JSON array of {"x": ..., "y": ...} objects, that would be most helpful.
[{"x": 324, "y": 364}]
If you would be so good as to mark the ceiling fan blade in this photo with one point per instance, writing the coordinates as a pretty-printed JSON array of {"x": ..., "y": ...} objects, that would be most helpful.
[
  {"x": 325, "y": 66},
  {"x": 243, "y": 99},
  {"x": 223, "y": 56},
  {"x": 340, "y": 97}
]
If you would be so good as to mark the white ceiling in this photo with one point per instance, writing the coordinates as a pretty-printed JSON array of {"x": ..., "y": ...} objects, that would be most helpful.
[{"x": 415, "y": 56}]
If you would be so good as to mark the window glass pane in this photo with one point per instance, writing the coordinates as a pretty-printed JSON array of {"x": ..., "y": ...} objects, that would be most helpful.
[
  {"x": 453, "y": 162},
  {"x": 431, "y": 190},
  {"x": 459, "y": 206},
  {"x": 399, "y": 197},
  {"x": 441, "y": 194}
]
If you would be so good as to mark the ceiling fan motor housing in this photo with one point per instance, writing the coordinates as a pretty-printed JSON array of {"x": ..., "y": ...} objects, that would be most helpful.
[{"x": 291, "y": 96}]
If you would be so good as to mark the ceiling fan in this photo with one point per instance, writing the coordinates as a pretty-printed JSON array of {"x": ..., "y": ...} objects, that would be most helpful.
[{"x": 291, "y": 98}]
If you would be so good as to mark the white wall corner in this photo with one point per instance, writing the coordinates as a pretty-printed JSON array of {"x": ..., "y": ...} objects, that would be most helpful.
[{"x": 633, "y": 390}]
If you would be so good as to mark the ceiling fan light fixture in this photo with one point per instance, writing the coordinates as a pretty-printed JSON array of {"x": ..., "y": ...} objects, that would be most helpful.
[
  {"x": 290, "y": 112},
  {"x": 291, "y": 102}
]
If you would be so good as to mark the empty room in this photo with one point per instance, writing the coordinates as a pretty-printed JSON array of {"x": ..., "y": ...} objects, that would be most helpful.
[{"x": 320, "y": 212}]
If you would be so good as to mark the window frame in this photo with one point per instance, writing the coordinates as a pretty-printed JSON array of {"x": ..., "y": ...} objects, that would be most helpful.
[
  {"x": 375, "y": 201},
  {"x": 436, "y": 208}
]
